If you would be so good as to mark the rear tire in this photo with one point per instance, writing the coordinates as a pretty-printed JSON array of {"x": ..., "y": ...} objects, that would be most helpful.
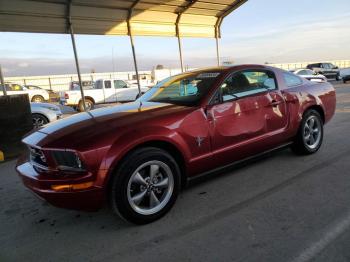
[
  {"x": 310, "y": 134},
  {"x": 38, "y": 99},
  {"x": 145, "y": 186},
  {"x": 88, "y": 103}
]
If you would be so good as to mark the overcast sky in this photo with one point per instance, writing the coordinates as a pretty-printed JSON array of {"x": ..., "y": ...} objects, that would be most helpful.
[{"x": 272, "y": 31}]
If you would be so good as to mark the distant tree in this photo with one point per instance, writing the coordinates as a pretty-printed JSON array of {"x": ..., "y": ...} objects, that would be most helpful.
[{"x": 159, "y": 67}]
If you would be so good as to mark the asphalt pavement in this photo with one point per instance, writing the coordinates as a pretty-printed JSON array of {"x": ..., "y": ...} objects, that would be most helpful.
[{"x": 280, "y": 208}]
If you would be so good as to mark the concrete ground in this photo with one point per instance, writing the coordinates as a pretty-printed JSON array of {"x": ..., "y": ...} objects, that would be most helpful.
[{"x": 281, "y": 208}]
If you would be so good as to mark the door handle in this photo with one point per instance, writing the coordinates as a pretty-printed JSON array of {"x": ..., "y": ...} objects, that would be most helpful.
[{"x": 275, "y": 103}]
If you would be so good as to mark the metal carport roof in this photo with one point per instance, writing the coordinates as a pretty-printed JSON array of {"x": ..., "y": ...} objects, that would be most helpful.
[
  {"x": 198, "y": 18},
  {"x": 180, "y": 18}
]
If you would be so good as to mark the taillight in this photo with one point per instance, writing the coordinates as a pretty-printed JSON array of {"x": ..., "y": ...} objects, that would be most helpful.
[{"x": 66, "y": 96}]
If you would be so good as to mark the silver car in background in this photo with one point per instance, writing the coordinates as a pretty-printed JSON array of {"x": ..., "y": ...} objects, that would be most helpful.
[
  {"x": 310, "y": 75},
  {"x": 44, "y": 113}
]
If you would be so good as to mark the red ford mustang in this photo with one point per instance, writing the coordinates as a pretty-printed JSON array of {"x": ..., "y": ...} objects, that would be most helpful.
[{"x": 139, "y": 155}]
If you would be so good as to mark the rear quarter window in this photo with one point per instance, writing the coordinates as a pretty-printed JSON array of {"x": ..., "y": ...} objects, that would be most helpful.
[{"x": 292, "y": 80}]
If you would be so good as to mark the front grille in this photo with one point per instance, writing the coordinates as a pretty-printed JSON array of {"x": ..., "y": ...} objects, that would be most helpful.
[{"x": 37, "y": 157}]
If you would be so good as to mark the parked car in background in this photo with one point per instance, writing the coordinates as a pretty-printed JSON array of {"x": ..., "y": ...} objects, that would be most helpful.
[
  {"x": 74, "y": 85},
  {"x": 35, "y": 95},
  {"x": 345, "y": 74},
  {"x": 310, "y": 75},
  {"x": 104, "y": 91},
  {"x": 138, "y": 155},
  {"x": 327, "y": 69},
  {"x": 346, "y": 78},
  {"x": 44, "y": 113},
  {"x": 53, "y": 96}
]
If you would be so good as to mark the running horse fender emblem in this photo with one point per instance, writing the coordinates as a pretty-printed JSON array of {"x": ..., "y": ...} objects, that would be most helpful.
[{"x": 199, "y": 140}]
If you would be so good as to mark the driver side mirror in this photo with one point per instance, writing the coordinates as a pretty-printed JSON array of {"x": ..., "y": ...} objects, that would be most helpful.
[{"x": 335, "y": 67}]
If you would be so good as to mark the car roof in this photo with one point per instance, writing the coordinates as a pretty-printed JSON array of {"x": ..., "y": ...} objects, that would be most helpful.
[{"x": 229, "y": 68}]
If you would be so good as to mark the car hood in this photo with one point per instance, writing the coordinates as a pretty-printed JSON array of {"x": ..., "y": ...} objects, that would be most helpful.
[{"x": 83, "y": 129}]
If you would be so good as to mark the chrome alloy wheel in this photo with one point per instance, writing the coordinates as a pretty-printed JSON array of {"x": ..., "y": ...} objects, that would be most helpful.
[
  {"x": 150, "y": 187},
  {"x": 38, "y": 121},
  {"x": 312, "y": 132}
]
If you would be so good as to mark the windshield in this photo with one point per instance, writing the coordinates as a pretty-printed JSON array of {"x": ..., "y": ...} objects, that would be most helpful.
[{"x": 184, "y": 89}]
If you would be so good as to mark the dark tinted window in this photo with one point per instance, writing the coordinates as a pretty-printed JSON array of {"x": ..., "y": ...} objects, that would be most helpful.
[
  {"x": 292, "y": 80},
  {"x": 247, "y": 83},
  {"x": 108, "y": 84},
  {"x": 98, "y": 84}
]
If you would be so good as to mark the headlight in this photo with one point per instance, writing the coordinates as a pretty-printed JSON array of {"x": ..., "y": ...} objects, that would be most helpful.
[
  {"x": 38, "y": 158},
  {"x": 68, "y": 161}
]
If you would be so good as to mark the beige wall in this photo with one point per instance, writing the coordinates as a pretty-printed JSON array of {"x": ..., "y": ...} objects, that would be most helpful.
[{"x": 61, "y": 82}]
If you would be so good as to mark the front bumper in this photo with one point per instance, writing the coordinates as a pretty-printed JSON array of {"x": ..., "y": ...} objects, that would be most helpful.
[{"x": 90, "y": 199}]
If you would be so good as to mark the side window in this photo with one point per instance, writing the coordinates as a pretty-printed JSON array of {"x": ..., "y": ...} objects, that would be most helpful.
[
  {"x": 14, "y": 87},
  {"x": 303, "y": 72},
  {"x": 98, "y": 84},
  {"x": 247, "y": 83},
  {"x": 108, "y": 84},
  {"x": 119, "y": 84},
  {"x": 292, "y": 80}
]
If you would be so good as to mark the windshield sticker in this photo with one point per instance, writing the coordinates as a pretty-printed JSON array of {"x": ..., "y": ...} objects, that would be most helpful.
[{"x": 208, "y": 75}]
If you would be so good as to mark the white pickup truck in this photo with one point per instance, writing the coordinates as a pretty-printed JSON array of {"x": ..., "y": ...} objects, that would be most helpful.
[{"x": 103, "y": 91}]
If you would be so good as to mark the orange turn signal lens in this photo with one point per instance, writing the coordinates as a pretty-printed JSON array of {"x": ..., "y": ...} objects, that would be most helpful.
[{"x": 72, "y": 187}]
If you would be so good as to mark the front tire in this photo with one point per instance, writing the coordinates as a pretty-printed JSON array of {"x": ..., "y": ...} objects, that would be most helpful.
[
  {"x": 145, "y": 186},
  {"x": 39, "y": 120},
  {"x": 310, "y": 134}
]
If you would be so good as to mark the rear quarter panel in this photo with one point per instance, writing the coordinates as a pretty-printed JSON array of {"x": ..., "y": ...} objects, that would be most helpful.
[{"x": 302, "y": 97}]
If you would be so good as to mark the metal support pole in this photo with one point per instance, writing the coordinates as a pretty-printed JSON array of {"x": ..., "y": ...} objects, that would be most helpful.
[
  {"x": 190, "y": 3},
  {"x": 50, "y": 84},
  {"x": 133, "y": 48},
  {"x": 217, "y": 50},
  {"x": 179, "y": 42},
  {"x": 70, "y": 26},
  {"x": 135, "y": 62},
  {"x": 217, "y": 38},
  {"x": 2, "y": 82},
  {"x": 180, "y": 51}
]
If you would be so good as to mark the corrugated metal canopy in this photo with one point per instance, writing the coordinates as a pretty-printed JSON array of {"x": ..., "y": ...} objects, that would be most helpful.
[{"x": 201, "y": 18}]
